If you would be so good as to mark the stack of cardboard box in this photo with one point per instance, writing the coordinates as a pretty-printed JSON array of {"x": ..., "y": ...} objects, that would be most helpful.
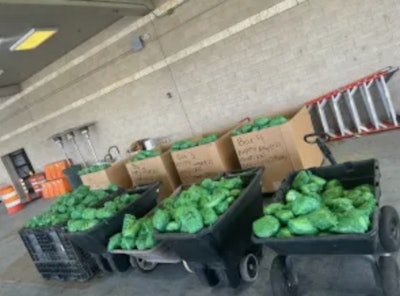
[{"x": 279, "y": 149}]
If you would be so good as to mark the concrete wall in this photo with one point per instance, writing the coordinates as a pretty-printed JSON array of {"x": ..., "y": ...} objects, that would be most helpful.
[{"x": 221, "y": 60}]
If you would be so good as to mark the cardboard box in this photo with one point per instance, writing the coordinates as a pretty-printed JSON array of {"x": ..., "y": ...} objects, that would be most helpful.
[
  {"x": 160, "y": 168},
  {"x": 279, "y": 149},
  {"x": 116, "y": 174},
  {"x": 206, "y": 161}
]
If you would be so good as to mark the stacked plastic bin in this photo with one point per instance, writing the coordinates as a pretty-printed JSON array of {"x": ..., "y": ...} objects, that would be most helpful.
[{"x": 57, "y": 184}]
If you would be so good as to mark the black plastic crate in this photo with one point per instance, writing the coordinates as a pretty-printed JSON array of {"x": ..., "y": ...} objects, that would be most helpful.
[
  {"x": 50, "y": 247},
  {"x": 351, "y": 174},
  {"x": 95, "y": 240},
  {"x": 55, "y": 256},
  {"x": 69, "y": 270},
  {"x": 48, "y": 244},
  {"x": 215, "y": 252}
]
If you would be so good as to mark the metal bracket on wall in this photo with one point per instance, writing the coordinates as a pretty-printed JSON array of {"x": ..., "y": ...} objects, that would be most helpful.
[{"x": 362, "y": 107}]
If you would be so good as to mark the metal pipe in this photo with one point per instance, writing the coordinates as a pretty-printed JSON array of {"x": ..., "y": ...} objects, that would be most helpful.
[
  {"x": 85, "y": 132},
  {"x": 59, "y": 142},
  {"x": 71, "y": 137}
]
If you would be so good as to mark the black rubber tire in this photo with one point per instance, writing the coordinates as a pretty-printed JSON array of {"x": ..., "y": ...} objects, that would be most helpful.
[
  {"x": 282, "y": 284},
  {"x": 389, "y": 229},
  {"x": 389, "y": 275},
  {"x": 249, "y": 268},
  {"x": 213, "y": 278},
  {"x": 145, "y": 266}
]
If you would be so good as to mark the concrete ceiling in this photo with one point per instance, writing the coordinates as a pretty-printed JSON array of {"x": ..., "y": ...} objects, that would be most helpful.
[{"x": 75, "y": 23}]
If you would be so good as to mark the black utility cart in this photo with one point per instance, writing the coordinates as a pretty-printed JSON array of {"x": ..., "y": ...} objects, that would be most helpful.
[
  {"x": 223, "y": 254},
  {"x": 373, "y": 250}
]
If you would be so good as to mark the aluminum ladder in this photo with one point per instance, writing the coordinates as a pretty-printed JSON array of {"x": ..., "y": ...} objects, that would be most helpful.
[{"x": 361, "y": 107}]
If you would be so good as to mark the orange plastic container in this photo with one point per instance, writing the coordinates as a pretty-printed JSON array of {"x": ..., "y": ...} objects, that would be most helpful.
[
  {"x": 56, "y": 188},
  {"x": 55, "y": 170}
]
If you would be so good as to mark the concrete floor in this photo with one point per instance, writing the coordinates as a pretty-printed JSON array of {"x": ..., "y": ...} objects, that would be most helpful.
[{"x": 18, "y": 277}]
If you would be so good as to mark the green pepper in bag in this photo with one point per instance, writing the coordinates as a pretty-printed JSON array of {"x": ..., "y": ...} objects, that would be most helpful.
[
  {"x": 284, "y": 216},
  {"x": 277, "y": 120},
  {"x": 104, "y": 213},
  {"x": 189, "y": 218},
  {"x": 368, "y": 208},
  {"x": 304, "y": 205},
  {"x": 211, "y": 138},
  {"x": 333, "y": 183},
  {"x": 114, "y": 242},
  {"x": 145, "y": 239},
  {"x": 262, "y": 122},
  {"x": 284, "y": 233},
  {"x": 127, "y": 243},
  {"x": 209, "y": 216},
  {"x": 292, "y": 195},
  {"x": 352, "y": 222},
  {"x": 173, "y": 226},
  {"x": 339, "y": 205},
  {"x": 89, "y": 214},
  {"x": 81, "y": 225},
  {"x": 323, "y": 219},
  {"x": 302, "y": 178},
  {"x": 301, "y": 226},
  {"x": 273, "y": 208},
  {"x": 161, "y": 219},
  {"x": 266, "y": 226},
  {"x": 221, "y": 207},
  {"x": 129, "y": 221}
]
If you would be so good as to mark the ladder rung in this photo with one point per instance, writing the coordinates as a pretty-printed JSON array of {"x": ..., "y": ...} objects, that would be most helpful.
[
  {"x": 349, "y": 99},
  {"x": 339, "y": 119},
  {"x": 369, "y": 105}
]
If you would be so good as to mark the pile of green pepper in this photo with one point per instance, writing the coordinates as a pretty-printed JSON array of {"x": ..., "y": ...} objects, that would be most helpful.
[
  {"x": 259, "y": 124},
  {"x": 94, "y": 169},
  {"x": 182, "y": 145}
]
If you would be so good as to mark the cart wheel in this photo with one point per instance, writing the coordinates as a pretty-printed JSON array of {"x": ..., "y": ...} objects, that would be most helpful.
[
  {"x": 283, "y": 284},
  {"x": 249, "y": 268},
  {"x": 389, "y": 275},
  {"x": 187, "y": 267},
  {"x": 389, "y": 229},
  {"x": 144, "y": 265}
]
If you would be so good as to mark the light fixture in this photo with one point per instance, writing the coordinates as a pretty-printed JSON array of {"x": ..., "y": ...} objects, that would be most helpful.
[
  {"x": 33, "y": 39},
  {"x": 1, "y": 72}
]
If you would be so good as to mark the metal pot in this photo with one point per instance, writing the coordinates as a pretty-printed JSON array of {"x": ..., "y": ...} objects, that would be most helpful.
[{"x": 149, "y": 144}]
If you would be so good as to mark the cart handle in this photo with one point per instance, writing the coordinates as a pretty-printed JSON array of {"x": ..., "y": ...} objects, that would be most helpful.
[
  {"x": 320, "y": 139},
  {"x": 244, "y": 120},
  {"x": 313, "y": 138}
]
